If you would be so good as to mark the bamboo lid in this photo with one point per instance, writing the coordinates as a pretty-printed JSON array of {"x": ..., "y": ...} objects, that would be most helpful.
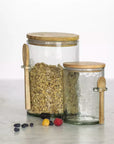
[
  {"x": 52, "y": 36},
  {"x": 84, "y": 65}
]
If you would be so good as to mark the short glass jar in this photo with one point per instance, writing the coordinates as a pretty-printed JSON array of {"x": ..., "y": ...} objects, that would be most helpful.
[
  {"x": 48, "y": 51},
  {"x": 81, "y": 102}
]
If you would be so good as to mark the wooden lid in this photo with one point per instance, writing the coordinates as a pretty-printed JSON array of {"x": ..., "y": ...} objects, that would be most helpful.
[
  {"x": 84, "y": 65},
  {"x": 53, "y": 36}
]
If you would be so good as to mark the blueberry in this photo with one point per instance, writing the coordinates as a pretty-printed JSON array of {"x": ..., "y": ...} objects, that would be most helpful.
[
  {"x": 45, "y": 115},
  {"x": 17, "y": 125},
  {"x": 51, "y": 123},
  {"x": 31, "y": 124},
  {"x": 16, "y": 129},
  {"x": 24, "y": 125}
]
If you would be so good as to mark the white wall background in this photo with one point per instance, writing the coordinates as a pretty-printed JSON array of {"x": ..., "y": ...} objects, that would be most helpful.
[{"x": 93, "y": 20}]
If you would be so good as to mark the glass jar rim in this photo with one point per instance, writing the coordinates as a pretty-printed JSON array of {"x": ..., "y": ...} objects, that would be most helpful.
[
  {"x": 83, "y": 70},
  {"x": 52, "y": 43}
]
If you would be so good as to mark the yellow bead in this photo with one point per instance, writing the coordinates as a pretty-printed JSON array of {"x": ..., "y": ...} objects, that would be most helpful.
[{"x": 45, "y": 122}]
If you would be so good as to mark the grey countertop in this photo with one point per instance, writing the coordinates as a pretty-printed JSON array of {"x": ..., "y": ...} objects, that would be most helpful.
[{"x": 12, "y": 111}]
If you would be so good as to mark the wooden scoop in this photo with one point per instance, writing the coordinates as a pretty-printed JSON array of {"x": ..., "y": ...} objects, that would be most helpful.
[
  {"x": 26, "y": 76},
  {"x": 101, "y": 84}
]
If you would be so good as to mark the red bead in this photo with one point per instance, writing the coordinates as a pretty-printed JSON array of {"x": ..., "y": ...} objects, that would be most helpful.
[{"x": 58, "y": 122}]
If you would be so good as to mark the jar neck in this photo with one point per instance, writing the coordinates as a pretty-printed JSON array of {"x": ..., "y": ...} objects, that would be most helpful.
[
  {"x": 84, "y": 70},
  {"x": 52, "y": 43}
]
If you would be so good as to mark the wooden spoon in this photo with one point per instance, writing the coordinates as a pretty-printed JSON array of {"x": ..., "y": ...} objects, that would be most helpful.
[
  {"x": 101, "y": 84},
  {"x": 26, "y": 76}
]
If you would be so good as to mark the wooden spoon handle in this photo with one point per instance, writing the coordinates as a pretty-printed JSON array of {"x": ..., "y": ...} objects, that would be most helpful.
[
  {"x": 26, "y": 76},
  {"x": 101, "y": 84},
  {"x": 27, "y": 90},
  {"x": 101, "y": 108}
]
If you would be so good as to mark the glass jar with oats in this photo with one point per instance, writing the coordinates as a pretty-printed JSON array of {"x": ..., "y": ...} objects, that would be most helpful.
[{"x": 47, "y": 52}]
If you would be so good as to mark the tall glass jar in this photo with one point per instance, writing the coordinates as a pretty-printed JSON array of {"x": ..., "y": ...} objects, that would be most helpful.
[
  {"x": 81, "y": 102},
  {"x": 48, "y": 51}
]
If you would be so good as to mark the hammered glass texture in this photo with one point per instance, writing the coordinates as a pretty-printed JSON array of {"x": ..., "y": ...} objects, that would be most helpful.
[{"x": 87, "y": 100}]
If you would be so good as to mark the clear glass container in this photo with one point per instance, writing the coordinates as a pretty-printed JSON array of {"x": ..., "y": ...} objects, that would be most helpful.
[
  {"x": 47, "y": 53},
  {"x": 81, "y": 102}
]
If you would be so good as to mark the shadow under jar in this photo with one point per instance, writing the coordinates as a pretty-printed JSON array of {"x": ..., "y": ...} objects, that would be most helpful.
[
  {"x": 48, "y": 51},
  {"x": 81, "y": 102}
]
